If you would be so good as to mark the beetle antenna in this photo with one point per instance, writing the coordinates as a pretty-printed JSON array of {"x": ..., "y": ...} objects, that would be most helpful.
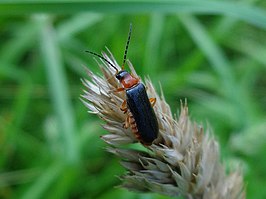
[
  {"x": 128, "y": 40},
  {"x": 93, "y": 53}
]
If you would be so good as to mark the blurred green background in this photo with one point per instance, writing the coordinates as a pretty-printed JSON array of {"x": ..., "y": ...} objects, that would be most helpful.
[{"x": 213, "y": 53}]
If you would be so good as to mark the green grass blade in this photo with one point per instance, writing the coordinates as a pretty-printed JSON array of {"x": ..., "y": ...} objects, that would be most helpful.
[
  {"x": 213, "y": 53},
  {"x": 43, "y": 182},
  {"x": 58, "y": 87},
  {"x": 250, "y": 14},
  {"x": 152, "y": 52},
  {"x": 76, "y": 24}
]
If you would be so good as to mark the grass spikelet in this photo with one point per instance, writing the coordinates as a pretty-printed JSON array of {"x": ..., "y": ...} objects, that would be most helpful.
[{"x": 183, "y": 160}]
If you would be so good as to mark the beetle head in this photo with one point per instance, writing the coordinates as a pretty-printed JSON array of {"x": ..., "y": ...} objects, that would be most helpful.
[{"x": 121, "y": 74}]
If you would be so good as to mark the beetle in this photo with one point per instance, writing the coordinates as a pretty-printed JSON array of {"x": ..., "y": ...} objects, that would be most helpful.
[{"x": 141, "y": 117}]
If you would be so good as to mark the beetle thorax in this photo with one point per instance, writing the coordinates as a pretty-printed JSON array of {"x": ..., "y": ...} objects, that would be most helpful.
[
  {"x": 129, "y": 81},
  {"x": 126, "y": 79}
]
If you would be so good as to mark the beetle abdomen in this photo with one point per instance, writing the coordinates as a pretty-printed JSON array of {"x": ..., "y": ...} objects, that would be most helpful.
[
  {"x": 143, "y": 113},
  {"x": 133, "y": 125}
]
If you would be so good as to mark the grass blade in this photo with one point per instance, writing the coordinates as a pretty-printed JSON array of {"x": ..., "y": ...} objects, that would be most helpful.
[
  {"x": 58, "y": 86},
  {"x": 250, "y": 14}
]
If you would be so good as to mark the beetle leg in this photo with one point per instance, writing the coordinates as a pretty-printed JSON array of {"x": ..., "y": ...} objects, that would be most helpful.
[
  {"x": 152, "y": 101},
  {"x": 116, "y": 90},
  {"x": 119, "y": 89},
  {"x": 123, "y": 106},
  {"x": 127, "y": 123}
]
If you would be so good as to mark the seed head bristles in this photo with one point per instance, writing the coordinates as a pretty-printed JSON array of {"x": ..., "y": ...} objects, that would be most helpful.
[{"x": 183, "y": 160}]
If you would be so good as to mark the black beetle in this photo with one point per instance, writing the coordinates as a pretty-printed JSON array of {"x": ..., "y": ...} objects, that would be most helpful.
[{"x": 140, "y": 114}]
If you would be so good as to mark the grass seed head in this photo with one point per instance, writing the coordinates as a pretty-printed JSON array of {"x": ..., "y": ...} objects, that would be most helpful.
[{"x": 183, "y": 160}]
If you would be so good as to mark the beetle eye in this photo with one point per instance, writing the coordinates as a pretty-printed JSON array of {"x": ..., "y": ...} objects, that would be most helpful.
[
  {"x": 118, "y": 76},
  {"x": 121, "y": 74}
]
